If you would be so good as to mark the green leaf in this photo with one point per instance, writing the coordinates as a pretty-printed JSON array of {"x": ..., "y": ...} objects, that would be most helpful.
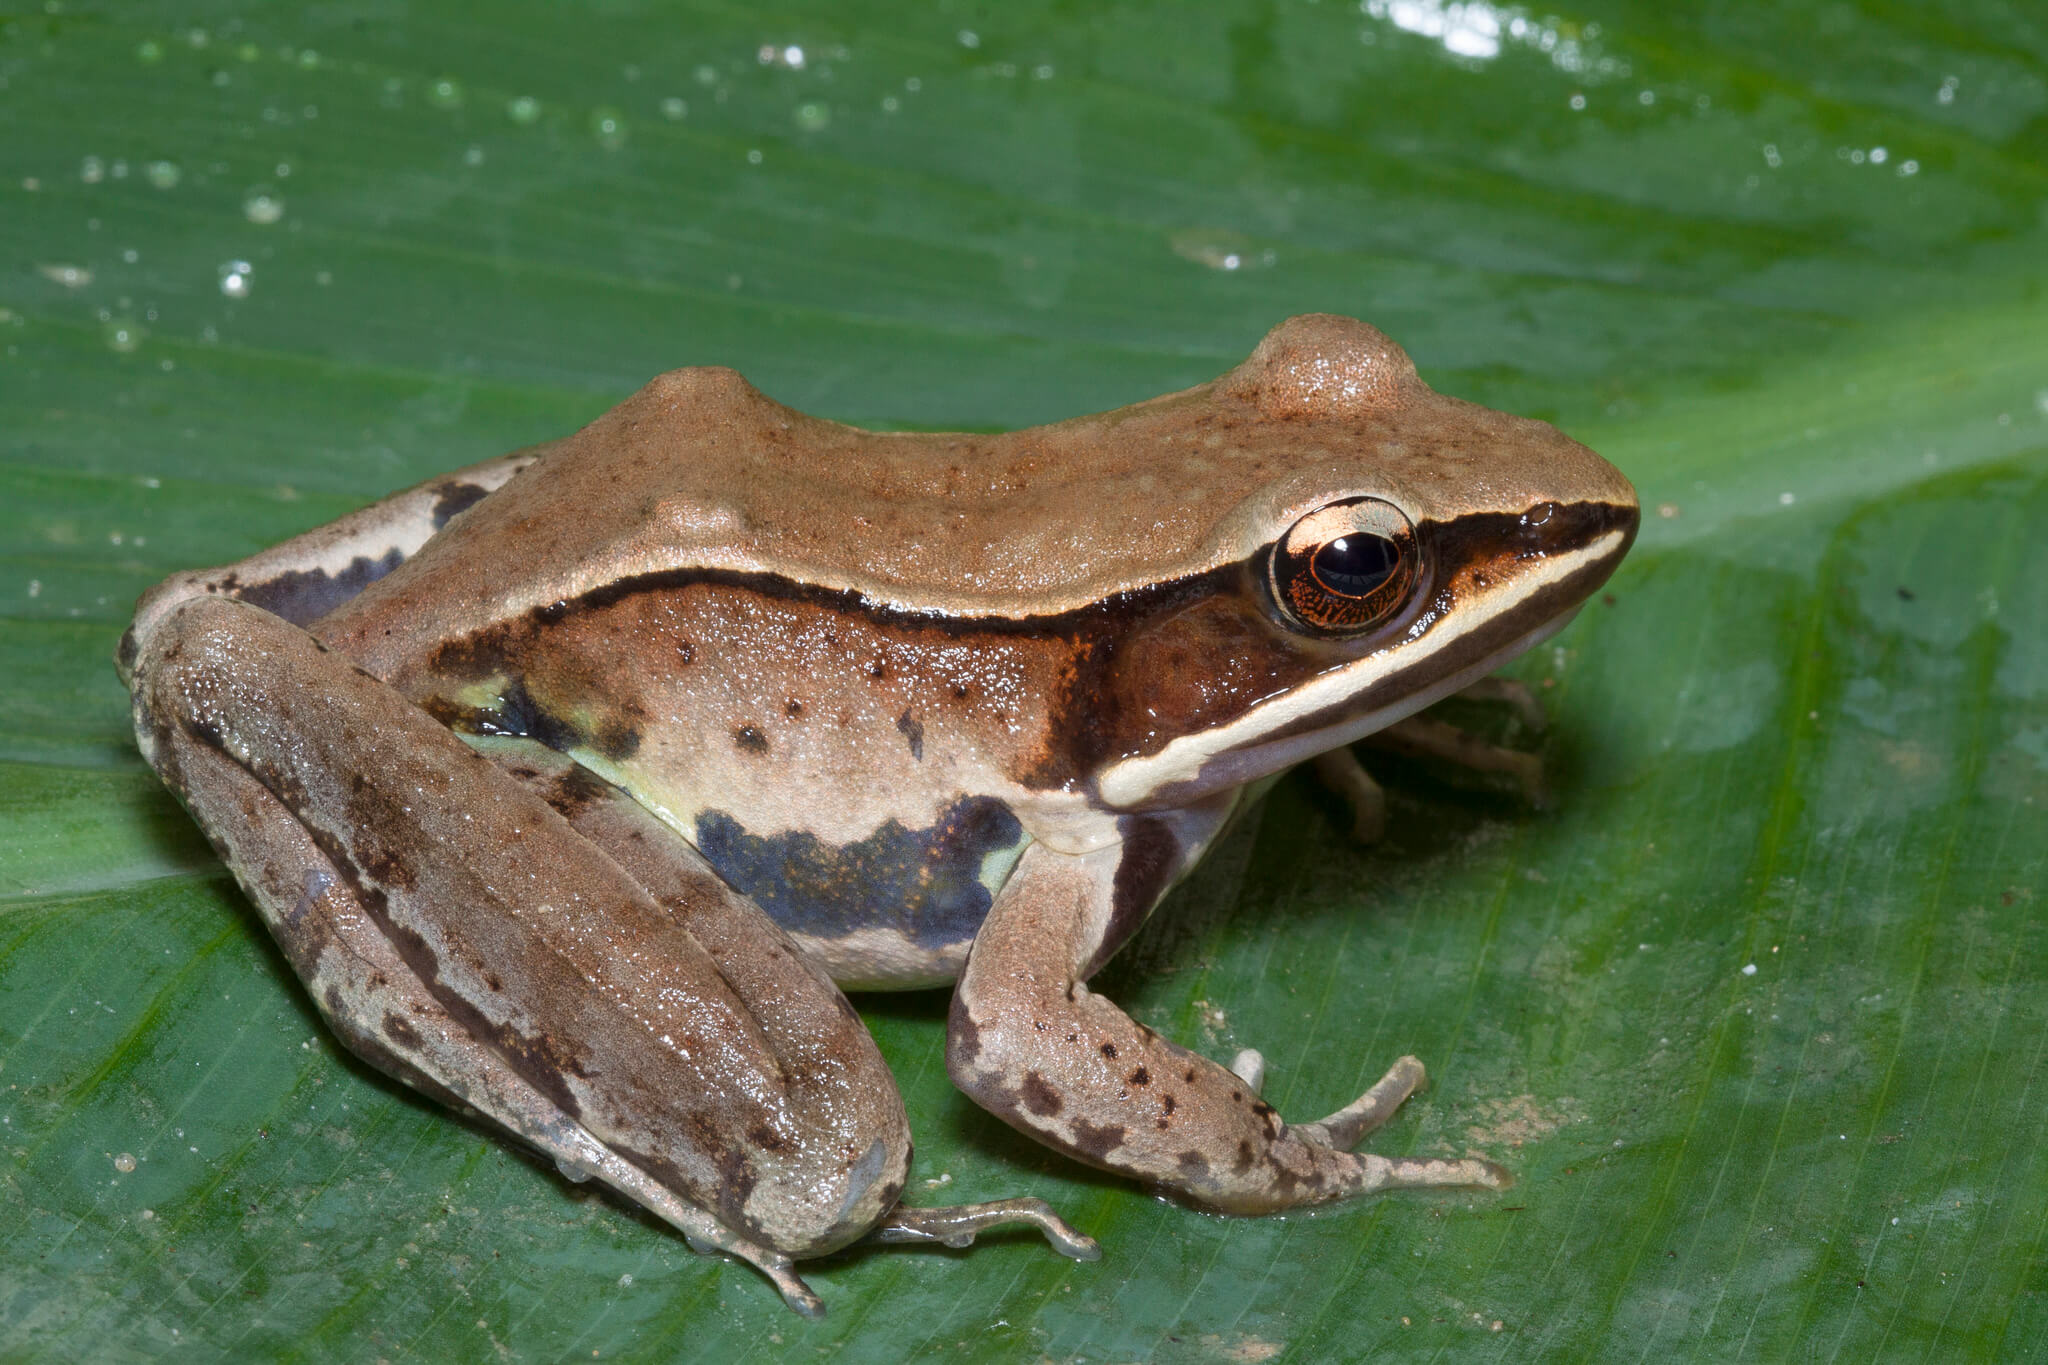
[{"x": 1755, "y": 1011}]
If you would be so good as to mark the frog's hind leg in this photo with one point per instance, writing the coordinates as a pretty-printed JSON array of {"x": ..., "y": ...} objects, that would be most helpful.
[
  {"x": 460, "y": 934},
  {"x": 736, "y": 932}
]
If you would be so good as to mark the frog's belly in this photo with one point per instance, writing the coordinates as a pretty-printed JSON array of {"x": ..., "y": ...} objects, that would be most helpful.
[{"x": 895, "y": 910}]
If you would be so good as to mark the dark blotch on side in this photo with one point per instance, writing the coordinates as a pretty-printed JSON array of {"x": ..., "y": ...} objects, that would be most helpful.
[
  {"x": 913, "y": 730},
  {"x": 400, "y": 1031},
  {"x": 1097, "y": 1141},
  {"x": 456, "y": 498},
  {"x": 1038, "y": 1097},
  {"x": 749, "y": 739},
  {"x": 923, "y": 883},
  {"x": 302, "y": 596}
]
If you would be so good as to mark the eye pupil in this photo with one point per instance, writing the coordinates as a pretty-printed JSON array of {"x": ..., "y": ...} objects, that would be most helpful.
[{"x": 1354, "y": 565}]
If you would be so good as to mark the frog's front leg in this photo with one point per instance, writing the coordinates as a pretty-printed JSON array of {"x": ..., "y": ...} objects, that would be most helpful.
[
  {"x": 459, "y": 933},
  {"x": 1033, "y": 1045}
]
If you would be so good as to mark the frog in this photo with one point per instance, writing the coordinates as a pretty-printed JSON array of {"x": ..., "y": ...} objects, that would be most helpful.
[{"x": 579, "y": 785}]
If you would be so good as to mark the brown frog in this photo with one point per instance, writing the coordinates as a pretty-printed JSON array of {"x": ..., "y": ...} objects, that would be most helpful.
[{"x": 572, "y": 783}]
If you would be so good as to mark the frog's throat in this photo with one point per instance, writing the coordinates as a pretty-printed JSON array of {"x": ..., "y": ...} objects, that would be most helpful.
[{"x": 1232, "y": 754}]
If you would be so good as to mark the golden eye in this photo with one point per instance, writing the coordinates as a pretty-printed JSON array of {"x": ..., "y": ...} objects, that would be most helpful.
[{"x": 1345, "y": 568}]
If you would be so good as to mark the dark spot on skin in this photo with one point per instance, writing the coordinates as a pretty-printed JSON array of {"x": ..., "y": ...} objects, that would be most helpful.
[
  {"x": 1097, "y": 1141},
  {"x": 794, "y": 709},
  {"x": 922, "y": 883},
  {"x": 1168, "y": 1104},
  {"x": 575, "y": 790},
  {"x": 302, "y": 596},
  {"x": 750, "y": 739},
  {"x": 1237, "y": 1097},
  {"x": 1245, "y": 1157},
  {"x": 1192, "y": 1164},
  {"x": 1141, "y": 1077},
  {"x": 767, "y": 1139},
  {"x": 456, "y": 498},
  {"x": 517, "y": 713},
  {"x": 686, "y": 653},
  {"x": 963, "y": 1036},
  {"x": 1190, "y": 1077},
  {"x": 1109, "y": 1051},
  {"x": 491, "y": 981},
  {"x": 913, "y": 730},
  {"x": 400, "y": 1031},
  {"x": 617, "y": 740},
  {"x": 1038, "y": 1097},
  {"x": 1262, "y": 1109},
  {"x": 879, "y": 669}
]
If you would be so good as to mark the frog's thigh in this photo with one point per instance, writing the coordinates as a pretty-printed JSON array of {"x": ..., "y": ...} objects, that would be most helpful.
[
  {"x": 468, "y": 932},
  {"x": 1033, "y": 1045},
  {"x": 817, "y": 1036}
]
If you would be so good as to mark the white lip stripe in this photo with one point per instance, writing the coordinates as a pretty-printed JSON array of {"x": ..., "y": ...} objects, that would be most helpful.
[{"x": 1131, "y": 781}]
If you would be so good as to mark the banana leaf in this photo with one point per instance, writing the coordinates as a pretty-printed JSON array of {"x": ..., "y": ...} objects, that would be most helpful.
[{"x": 1755, "y": 1007}]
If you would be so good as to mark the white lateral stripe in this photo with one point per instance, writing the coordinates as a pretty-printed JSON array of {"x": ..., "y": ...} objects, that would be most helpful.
[{"x": 1182, "y": 760}]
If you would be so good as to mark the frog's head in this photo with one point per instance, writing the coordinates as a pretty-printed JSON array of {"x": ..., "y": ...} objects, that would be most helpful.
[{"x": 1396, "y": 546}]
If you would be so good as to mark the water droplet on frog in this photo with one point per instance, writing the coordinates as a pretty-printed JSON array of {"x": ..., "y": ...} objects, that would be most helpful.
[
  {"x": 523, "y": 109},
  {"x": 445, "y": 94},
  {"x": 813, "y": 117},
  {"x": 123, "y": 334},
  {"x": 234, "y": 279},
  {"x": 609, "y": 127},
  {"x": 165, "y": 175},
  {"x": 262, "y": 207}
]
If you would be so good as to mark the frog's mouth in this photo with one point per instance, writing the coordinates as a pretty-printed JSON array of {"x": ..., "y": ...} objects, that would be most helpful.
[{"x": 1382, "y": 687}]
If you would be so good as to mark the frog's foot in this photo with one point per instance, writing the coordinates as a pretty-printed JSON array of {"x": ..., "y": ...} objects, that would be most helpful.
[
  {"x": 1427, "y": 738},
  {"x": 958, "y": 1225},
  {"x": 1343, "y": 774},
  {"x": 1424, "y": 737},
  {"x": 1031, "y": 1043},
  {"x": 1512, "y": 693},
  {"x": 1369, "y": 1111}
]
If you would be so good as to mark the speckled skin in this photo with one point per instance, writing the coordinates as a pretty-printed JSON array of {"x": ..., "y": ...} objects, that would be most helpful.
[{"x": 572, "y": 782}]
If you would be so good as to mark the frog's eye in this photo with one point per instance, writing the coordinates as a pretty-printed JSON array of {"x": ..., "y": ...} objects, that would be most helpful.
[{"x": 1345, "y": 568}]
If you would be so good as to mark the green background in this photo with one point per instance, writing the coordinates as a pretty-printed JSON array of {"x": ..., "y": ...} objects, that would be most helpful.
[{"x": 1783, "y": 264}]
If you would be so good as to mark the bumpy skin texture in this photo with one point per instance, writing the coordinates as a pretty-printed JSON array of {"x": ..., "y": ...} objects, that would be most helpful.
[{"x": 572, "y": 782}]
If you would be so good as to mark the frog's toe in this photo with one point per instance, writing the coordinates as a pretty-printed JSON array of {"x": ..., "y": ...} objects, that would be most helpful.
[
  {"x": 1343, "y": 1129},
  {"x": 959, "y": 1224}
]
